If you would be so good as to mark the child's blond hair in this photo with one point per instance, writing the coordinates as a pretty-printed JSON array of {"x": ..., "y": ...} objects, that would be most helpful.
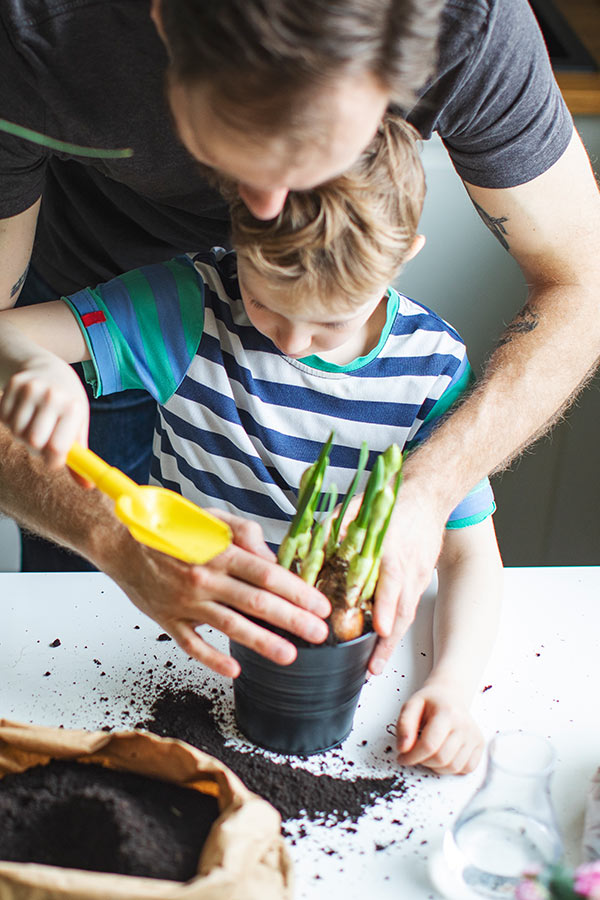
[{"x": 347, "y": 237}]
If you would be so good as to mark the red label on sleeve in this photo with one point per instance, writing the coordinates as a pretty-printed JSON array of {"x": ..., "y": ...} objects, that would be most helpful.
[{"x": 93, "y": 318}]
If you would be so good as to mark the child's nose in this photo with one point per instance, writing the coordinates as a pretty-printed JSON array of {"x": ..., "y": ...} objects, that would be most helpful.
[{"x": 293, "y": 341}]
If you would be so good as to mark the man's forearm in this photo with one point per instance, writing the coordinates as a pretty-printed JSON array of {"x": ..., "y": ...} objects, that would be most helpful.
[
  {"x": 544, "y": 356},
  {"x": 52, "y": 504}
]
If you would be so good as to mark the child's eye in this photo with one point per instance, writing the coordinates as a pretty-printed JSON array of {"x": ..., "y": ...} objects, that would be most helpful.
[
  {"x": 335, "y": 326},
  {"x": 256, "y": 304}
]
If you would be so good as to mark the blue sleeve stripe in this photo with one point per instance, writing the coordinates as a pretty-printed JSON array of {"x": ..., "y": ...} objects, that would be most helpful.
[
  {"x": 471, "y": 520},
  {"x": 479, "y": 502},
  {"x": 133, "y": 305},
  {"x": 164, "y": 284},
  {"x": 114, "y": 299},
  {"x": 190, "y": 290},
  {"x": 102, "y": 371}
]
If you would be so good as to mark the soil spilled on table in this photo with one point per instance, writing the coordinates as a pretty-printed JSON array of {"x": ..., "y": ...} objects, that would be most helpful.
[
  {"x": 295, "y": 792},
  {"x": 89, "y": 817}
]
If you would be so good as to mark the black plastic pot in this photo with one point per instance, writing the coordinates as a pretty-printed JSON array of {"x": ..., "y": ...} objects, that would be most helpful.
[{"x": 306, "y": 707}]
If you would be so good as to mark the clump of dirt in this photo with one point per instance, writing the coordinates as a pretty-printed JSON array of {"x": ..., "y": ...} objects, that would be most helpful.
[
  {"x": 89, "y": 817},
  {"x": 295, "y": 792}
]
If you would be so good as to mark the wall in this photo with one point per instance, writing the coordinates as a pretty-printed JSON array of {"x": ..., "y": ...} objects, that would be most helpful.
[{"x": 548, "y": 501}]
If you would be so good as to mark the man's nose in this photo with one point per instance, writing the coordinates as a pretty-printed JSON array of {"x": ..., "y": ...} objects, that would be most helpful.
[{"x": 263, "y": 204}]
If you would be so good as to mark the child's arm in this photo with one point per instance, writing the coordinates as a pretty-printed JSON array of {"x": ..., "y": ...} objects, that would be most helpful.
[
  {"x": 435, "y": 727},
  {"x": 43, "y": 401}
]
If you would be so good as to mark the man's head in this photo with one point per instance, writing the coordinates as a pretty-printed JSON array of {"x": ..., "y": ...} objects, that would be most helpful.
[
  {"x": 285, "y": 94},
  {"x": 321, "y": 267}
]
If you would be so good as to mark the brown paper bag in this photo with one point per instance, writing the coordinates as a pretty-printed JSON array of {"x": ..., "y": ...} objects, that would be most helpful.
[{"x": 243, "y": 858}]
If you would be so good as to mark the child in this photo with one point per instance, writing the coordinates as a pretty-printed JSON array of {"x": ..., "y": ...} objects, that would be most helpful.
[{"x": 255, "y": 357}]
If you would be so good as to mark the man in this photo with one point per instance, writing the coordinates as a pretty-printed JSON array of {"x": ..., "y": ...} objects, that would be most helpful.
[{"x": 285, "y": 95}]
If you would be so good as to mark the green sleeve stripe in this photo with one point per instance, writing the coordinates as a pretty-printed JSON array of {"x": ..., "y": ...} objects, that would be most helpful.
[
  {"x": 190, "y": 292},
  {"x": 475, "y": 519},
  {"x": 129, "y": 373},
  {"x": 157, "y": 361}
]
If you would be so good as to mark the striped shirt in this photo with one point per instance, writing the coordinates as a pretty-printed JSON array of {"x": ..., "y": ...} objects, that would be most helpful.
[{"x": 239, "y": 421}]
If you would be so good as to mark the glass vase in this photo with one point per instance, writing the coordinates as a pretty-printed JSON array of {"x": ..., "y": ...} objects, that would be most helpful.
[{"x": 509, "y": 825}]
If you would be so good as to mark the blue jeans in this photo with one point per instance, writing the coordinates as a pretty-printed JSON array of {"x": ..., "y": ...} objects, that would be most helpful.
[{"x": 121, "y": 429}]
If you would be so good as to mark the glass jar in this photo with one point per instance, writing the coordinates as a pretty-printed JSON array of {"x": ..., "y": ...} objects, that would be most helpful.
[{"x": 509, "y": 825}]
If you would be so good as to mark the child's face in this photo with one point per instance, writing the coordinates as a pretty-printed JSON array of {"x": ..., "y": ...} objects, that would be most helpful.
[{"x": 311, "y": 327}]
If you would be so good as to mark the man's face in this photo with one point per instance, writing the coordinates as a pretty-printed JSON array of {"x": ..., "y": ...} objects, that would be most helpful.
[{"x": 265, "y": 169}]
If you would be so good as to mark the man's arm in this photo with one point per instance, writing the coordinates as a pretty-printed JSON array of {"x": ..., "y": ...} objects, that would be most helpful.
[
  {"x": 16, "y": 241},
  {"x": 551, "y": 226},
  {"x": 244, "y": 580}
]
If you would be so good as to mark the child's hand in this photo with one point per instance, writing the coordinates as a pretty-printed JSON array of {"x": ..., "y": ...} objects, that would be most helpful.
[
  {"x": 45, "y": 406},
  {"x": 436, "y": 729}
]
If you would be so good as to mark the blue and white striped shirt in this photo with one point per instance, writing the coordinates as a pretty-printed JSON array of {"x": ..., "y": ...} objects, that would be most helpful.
[{"x": 238, "y": 420}]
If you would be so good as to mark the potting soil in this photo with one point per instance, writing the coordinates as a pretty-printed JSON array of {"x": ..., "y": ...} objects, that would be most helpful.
[
  {"x": 85, "y": 816},
  {"x": 295, "y": 792}
]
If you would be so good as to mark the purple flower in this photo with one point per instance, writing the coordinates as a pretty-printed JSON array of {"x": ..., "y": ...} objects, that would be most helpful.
[{"x": 587, "y": 880}]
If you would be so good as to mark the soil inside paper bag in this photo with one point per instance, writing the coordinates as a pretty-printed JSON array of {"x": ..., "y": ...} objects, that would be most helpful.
[{"x": 90, "y": 817}]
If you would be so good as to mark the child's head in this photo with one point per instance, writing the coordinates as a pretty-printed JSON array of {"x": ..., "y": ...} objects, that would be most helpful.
[{"x": 330, "y": 254}]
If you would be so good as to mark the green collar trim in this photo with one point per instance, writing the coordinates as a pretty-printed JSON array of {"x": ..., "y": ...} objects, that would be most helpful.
[{"x": 315, "y": 362}]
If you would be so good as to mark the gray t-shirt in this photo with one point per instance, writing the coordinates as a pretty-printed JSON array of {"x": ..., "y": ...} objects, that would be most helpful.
[{"x": 91, "y": 72}]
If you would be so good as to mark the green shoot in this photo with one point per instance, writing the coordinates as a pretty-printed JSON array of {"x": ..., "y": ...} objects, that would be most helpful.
[
  {"x": 297, "y": 540},
  {"x": 335, "y": 529}
]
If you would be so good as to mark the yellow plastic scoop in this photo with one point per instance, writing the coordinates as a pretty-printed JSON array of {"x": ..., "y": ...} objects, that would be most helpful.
[{"x": 155, "y": 516}]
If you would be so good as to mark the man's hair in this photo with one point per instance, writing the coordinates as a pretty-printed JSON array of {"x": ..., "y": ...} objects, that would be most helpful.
[
  {"x": 262, "y": 60},
  {"x": 349, "y": 236}
]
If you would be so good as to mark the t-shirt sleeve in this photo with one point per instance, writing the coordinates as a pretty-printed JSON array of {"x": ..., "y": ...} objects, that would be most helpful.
[
  {"x": 22, "y": 163},
  {"x": 479, "y": 502},
  {"x": 142, "y": 328},
  {"x": 495, "y": 101}
]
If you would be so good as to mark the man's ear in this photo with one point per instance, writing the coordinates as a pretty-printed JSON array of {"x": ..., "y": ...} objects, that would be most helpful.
[{"x": 417, "y": 246}]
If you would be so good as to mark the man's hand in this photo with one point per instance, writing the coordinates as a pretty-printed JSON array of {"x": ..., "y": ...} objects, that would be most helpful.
[
  {"x": 411, "y": 549},
  {"x": 244, "y": 580}
]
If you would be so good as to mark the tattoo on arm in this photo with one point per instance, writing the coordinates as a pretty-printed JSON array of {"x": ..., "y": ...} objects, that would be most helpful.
[
  {"x": 525, "y": 321},
  {"x": 495, "y": 224},
  {"x": 19, "y": 284}
]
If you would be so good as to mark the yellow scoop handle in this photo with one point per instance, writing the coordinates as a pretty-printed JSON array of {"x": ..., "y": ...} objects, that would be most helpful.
[{"x": 156, "y": 516}]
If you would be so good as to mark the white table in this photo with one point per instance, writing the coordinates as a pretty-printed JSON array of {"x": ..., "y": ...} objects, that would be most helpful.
[{"x": 544, "y": 676}]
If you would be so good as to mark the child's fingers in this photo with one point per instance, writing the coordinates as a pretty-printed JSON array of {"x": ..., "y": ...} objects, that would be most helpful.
[
  {"x": 408, "y": 724},
  {"x": 457, "y": 765},
  {"x": 474, "y": 759},
  {"x": 42, "y": 425},
  {"x": 444, "y": 760},
  {"x": 18, "y": 412},
  {"x": 432, "y": 737},
  {"x": 67, "y": 429}
]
